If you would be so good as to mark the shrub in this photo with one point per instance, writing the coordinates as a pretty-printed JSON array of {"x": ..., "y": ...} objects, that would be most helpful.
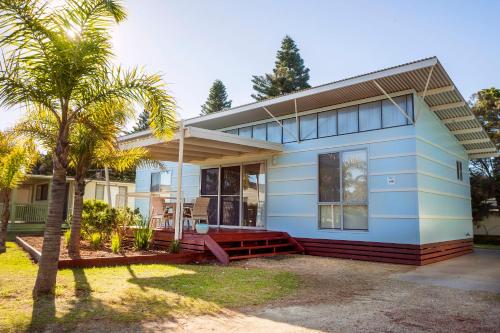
[
  {"x": 175, "y": 246},
  {"x": 67, "y": 235},
  {"x": 97, "y": 217},
  {"x": 142, "y": 235},
  {"x": 116, "y": 242},
  {"x": 95, "y": 240},
  {"x": 125, "y": 217}
]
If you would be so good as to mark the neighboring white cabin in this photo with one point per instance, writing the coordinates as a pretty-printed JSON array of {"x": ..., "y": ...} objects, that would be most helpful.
[
  {"x": 358, "y": 171},
  {"x": 29, "y": 201}
]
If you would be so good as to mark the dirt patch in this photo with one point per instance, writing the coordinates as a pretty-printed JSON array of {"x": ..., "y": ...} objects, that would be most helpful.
[
  {"x": 338, "y": 295},
  {"x": 86, "y": 251}
]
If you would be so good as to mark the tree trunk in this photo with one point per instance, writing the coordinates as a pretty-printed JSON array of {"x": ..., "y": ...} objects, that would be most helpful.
[
  {"x": 74, "y": 239},
  {"x": 5, "y": 219},
  {"x": 47, "y": 270}
]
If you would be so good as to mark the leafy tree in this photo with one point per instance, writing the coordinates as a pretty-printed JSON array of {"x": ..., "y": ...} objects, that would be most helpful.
[
  {"x": 142, "y": 122},
  {"x": 485, "y": 172},
  {"x": 289, "y": 74},
  {"x": 217, "y": 99},
  {"x": 17, "y": 156},
  {"x": 59, "y": 61}
]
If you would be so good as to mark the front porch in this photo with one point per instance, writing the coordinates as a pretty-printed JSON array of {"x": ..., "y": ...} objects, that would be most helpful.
[{"x": 225, "y": 244}]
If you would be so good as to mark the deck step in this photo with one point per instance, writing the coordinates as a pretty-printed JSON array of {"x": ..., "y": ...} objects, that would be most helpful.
[
  {"x": 255, "y": 247},
  {"x": 254, "y": 239},
  {"x": 250, "y": 256}
]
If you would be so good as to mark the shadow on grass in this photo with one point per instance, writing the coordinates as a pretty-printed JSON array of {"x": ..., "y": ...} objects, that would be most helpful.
[{"x": 85, "y": 312}]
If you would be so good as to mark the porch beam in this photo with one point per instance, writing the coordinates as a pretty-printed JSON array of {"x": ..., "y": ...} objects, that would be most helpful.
[
  {"x": 457, "y": 119},
  {"x": 174, "y": 151},
  {"x": 221, "y": 145},
  {"x": 165, "y": 152},
  {"x": 447, "y": 106},
  {"x": 393, "y": 102}
]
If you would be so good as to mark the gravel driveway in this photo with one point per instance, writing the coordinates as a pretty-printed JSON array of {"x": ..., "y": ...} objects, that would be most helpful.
[{"x": 354, "y": 296}]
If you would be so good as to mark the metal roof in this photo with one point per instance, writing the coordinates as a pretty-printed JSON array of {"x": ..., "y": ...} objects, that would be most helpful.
[{"x": 427, "y": 77}]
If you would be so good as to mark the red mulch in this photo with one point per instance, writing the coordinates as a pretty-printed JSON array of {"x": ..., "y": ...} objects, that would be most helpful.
[{"x": 87, "y": 252}]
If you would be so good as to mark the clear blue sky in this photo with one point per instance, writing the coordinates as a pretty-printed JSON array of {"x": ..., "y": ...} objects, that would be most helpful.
[{"x": 192, "y": 43}]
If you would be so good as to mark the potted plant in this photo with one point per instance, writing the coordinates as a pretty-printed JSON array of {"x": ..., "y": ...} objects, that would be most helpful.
[{"x": 201, "y": 228}]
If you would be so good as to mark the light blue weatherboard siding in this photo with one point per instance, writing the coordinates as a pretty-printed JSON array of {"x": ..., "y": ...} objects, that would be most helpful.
[
  {"x": 446, "y": 215},
  {"x": 292, "y": 205},
  {"x": 404, "y": 212}
]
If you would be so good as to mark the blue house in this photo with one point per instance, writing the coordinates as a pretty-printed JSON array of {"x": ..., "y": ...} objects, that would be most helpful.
[{"x": 373, "y": 167}]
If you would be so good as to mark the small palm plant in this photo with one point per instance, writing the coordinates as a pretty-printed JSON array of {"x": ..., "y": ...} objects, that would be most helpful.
[
  {"x": 17, "y": 156},
  {"x": 143, "y": 235},
  {"x": 116, "y": 242}
]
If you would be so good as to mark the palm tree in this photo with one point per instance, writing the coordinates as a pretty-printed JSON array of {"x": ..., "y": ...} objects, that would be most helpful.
[
  {"x": 59, "y": 61},
  {"x": 16, "y": 158},
  {"x": 93, "y": 144}
]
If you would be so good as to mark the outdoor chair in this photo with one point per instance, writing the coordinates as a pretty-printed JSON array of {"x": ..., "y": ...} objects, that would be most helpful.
[
  {"x": 157, "y": 212},
  {"x": 199, "y": 211}
]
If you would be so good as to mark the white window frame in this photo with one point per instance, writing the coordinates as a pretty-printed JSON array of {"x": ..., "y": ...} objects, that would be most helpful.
[{"x": 341, "y": 197}]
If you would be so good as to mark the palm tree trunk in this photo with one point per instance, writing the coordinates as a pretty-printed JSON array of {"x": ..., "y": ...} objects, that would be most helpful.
[
  {"x": 74, "y": 239},
  {"x": 47, "y": 270},
  {"x": 5, "y": 219}
]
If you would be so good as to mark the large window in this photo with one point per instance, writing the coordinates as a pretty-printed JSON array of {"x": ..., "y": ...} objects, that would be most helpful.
[{"x": 343, "y": 190}]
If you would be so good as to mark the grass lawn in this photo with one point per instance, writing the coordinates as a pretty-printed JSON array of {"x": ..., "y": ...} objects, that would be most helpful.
[
  {"x": 129, "y": 293},
  {"x": 487, "y": 246}
]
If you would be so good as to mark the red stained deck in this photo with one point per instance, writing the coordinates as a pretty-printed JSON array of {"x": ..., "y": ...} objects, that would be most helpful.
[{"x": 227, "y": 244}]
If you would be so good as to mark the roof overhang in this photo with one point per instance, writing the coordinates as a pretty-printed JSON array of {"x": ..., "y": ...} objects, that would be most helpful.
[
  {"x": 200, "y": 145},
  {"x": 425, "y": 77}
]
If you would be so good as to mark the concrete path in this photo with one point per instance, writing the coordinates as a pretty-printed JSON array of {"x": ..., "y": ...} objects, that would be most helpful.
[{"x": 476, "y": 271}]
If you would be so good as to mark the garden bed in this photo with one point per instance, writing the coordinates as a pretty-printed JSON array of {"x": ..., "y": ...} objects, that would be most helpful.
[{"x": 104, "y": 256}]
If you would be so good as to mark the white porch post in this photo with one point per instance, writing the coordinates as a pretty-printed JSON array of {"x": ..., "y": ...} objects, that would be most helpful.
[
  {"x": 178, "y": 205},
  {"x": 108, "y": 186}
]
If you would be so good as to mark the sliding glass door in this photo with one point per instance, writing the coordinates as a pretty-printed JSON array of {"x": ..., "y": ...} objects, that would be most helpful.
[
  {"x": 253, "y": 195},
  {"x": 237, "y": 194},
  {"x": 230, "y": 196}
]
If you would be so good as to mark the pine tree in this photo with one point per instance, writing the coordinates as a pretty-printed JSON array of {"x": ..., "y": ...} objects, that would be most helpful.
[
  {"x": 289, "y": 73},
  {"x": 142, "y": 122},
  {"x": 217, "y": 99}
]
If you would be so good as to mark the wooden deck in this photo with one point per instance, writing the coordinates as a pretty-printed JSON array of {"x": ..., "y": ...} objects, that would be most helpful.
[{"x": 226, "y": 244}]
